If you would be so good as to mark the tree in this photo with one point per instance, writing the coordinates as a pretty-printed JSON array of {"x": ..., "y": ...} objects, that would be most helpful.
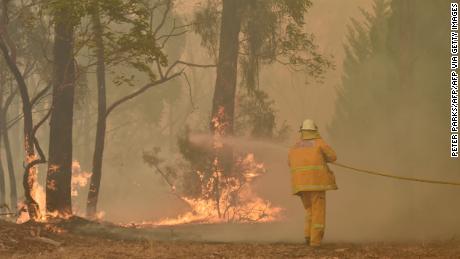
[
  {"x": 268, "y": 32},
  {"x": 365, "y": 58},
  {"x": 243, "y": 35},
  {"x": 223, "y": 102},
  {"x": 23, "y": 45},
  {"x": 4, "y": 106},
  {"x": 141, "y": 47},
  {"x": 101, "y": 113},
  {"x": 58, "y": 178},
  {"x": 226, "y": 73},
  {"x": 390, "y": 102},
  {"x": 2, "y": 172},
  {"x": 30, "y": 142}
]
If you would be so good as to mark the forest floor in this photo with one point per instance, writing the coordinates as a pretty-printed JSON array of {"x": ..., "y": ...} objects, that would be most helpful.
[{"x": 78, "y": 238}]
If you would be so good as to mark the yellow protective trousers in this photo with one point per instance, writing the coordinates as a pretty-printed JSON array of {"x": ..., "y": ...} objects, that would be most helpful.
[{"x": 315, "y": 218}]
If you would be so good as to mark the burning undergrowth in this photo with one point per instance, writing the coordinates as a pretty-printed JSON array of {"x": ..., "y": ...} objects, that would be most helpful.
[
  {"x": 80, "y": 180},
  {"x": 215, "y": 181},
  {"x": 214, "y": 196}
]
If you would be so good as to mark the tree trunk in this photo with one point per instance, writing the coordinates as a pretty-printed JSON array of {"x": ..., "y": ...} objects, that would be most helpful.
[
  {"x": 10, "y": 165},
  {"x": 2, "y": 186},
  {"x": 95, "y": 183},
  {"x": 223, "y": 106},
  {"x": 30, "y": 173},
  {"x": 4, "y": 135},
  {"x": 172, "y": 140},
  {"x": 2, "y": 172},
  {"x": 226, "y": 79},
  {"x": 6, "y": 140},
  {"x": 59, "y": 175}
]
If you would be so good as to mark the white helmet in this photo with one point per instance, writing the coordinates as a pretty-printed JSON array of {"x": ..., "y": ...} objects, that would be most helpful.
[{"x": 308, "y": 125}]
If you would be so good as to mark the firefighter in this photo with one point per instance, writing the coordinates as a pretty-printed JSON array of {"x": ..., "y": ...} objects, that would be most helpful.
[{"x": 311, "y": 178}]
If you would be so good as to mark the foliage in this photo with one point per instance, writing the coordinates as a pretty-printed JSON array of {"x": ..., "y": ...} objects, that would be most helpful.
[
  {"x": 28, "y": 30},
  {"x": 69, "y": 11},
  {"x": 365, "y": 81},
  {"x": 390, "y": 96},
  {"x": 207, "y": 21},
  {"x": 133, "y": 41},
  {"x": 257, "y": 115},
  {"x": 199, "y": 160},
  {"x": 272, "y": 32},
  {"x": 200, "y": 180}
]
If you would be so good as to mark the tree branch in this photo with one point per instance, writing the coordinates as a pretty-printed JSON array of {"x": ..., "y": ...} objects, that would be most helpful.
[
  {"x": 160, "y": 70},
  {"x": 138, "y": 92},
  {"x": 39, "y": 95},
  {"x": 3, "y": 31},
  {"x": 189, "y": 91},
  {"x": 177, "y": 62},
  {"x": 8, "y": 101},
  {"x": 163, "y": 19},
  {"x": 39, "y": 124}
]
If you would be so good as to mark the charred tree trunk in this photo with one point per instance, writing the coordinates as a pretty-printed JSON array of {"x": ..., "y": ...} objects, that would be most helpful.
[
  {"x": 10, "y": 164},
  {"x": 223, "y": 106},
  {"x": 59, "y": 175},
  {"x": 2, "y": 172},
  {"x": 4, "y": 136},
  {"x": 29, "y": 177},
  {"x": 2, "y": 187},
  {"x": 226, "y": 79},
  {"x": 8, "y": 50},
  {"x": 4, "y": 105},
  {"x": 101, "y": 119}
]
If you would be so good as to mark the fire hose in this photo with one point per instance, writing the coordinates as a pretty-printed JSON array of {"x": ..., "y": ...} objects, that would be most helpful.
[{"x": 394, "y": 176}]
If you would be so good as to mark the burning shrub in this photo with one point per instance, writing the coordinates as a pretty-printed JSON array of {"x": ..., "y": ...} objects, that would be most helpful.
[{"x": 215, "y": 191}]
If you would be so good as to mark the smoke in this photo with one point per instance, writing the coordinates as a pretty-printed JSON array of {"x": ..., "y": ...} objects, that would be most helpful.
[{"x": 365, "y": 208}]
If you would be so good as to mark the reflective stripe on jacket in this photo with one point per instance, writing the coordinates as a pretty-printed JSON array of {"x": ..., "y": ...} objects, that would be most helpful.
[{"x": 309, "y": 171}]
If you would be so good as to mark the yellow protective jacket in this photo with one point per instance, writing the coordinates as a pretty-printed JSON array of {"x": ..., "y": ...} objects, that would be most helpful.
[{"x": 309, "y": 171}]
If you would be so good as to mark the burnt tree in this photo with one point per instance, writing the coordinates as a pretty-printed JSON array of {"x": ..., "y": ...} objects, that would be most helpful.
[
  {"x": 223, "y": 105},
  {"x": 226, "y": 79},
  {"x": 98, "y": 154},
  {"x": 8, "y": 49},
  {"x": 59, "y": 175},
  {"x": 2, "y": 171},
  {"x": 142, "y": 42},
  {"x": 30, "y": 142}
]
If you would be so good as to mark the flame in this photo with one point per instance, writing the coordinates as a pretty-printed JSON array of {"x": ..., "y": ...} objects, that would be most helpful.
[
  {"x": 100, "y": 215},
  {"x": 229, "y": 197},
  {"x": 56, "y": 214},
  {"x": 55, "y": 229},
  {"x": 79, "y": 178},
  {"x": 39, "y": 196},
  {"x": 219, "y": 125},
  {"x": 237, "y": 201},
  {"x": 254, "y": 209},
  {"x": 23, "y": 215},
  {"x": 37, "y": 193}
]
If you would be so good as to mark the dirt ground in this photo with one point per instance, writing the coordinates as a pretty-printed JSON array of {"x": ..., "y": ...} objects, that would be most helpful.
[{"x": 66, "y": 240}]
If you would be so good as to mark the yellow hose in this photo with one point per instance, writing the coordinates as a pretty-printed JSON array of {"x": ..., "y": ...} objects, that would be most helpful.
[{"x": 394, "y": 176}]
